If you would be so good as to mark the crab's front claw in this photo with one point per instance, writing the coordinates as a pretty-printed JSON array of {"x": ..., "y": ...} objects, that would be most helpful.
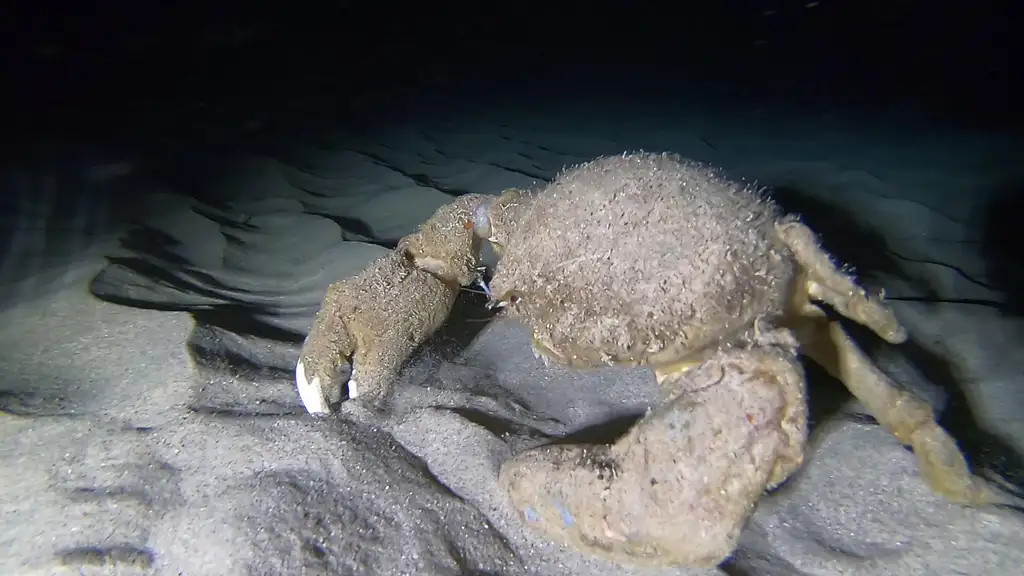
[
  {"x": 367, "y": 327},
  {"x": 314, "y": 397},
  {"x": 324, "y": 362},
  {"x": 369, "y": 371},
  {"x": 317, "y": 392}
]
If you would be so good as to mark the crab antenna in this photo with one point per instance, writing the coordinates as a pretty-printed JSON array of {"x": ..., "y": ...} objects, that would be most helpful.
[{"x": 483, "y": 286}]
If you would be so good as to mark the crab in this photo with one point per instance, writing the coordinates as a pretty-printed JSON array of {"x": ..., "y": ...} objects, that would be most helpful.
[{"x": 655, "y": 261}]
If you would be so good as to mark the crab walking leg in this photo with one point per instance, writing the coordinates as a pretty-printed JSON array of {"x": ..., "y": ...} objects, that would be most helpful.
[
  {"x": 909, "y": 419},
  {"x": 912, "y": 421},
  {"x": 824, "y": 282}
]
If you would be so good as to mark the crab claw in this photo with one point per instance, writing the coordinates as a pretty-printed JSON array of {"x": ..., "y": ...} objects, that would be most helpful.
[{"x": 312, "y": 393}]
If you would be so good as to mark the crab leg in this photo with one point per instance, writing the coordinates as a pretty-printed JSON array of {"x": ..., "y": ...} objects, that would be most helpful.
[
  {"x": 911, "y": 420},
  {"x": 827, "y": 284}
]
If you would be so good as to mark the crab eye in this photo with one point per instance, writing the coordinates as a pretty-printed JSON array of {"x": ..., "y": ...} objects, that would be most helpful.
[
  {"x": 508, "y": 299},
  {"x": 504, "y": 301}
]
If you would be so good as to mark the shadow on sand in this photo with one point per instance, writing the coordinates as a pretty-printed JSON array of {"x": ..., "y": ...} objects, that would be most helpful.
[{"x": 1002, "y": 234}]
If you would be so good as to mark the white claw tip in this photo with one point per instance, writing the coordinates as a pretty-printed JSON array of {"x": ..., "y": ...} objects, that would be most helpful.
[{"x": 312, "y": 394}]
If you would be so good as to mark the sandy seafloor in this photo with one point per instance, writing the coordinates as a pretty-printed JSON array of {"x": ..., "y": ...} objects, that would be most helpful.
[{"x": 150, "y": 425}]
